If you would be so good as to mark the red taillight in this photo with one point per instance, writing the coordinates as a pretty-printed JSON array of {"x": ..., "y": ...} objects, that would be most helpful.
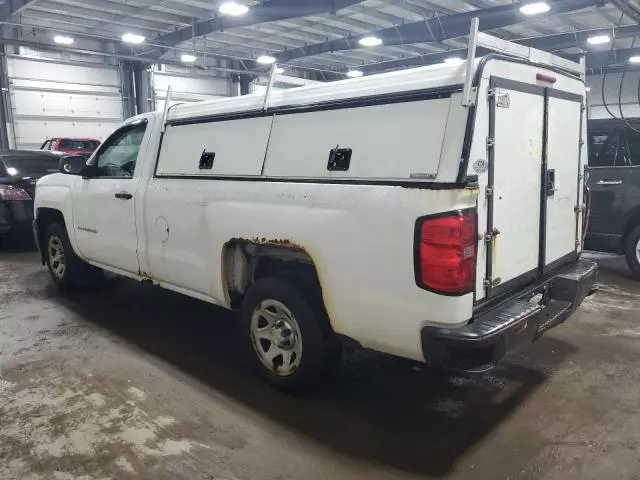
[
  {"x": 9, "y": 193},
  {"x": 446, "y": 253}
]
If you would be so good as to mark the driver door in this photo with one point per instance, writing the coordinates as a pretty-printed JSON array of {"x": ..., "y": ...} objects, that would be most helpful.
[{"x": 104, "y": 205}]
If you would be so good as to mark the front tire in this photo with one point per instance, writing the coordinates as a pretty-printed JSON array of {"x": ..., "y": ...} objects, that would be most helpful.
[
  {"x": 287, "y": 342},
  {"x": 67, "y": 270},
  {"x": 632, "y": 250}
]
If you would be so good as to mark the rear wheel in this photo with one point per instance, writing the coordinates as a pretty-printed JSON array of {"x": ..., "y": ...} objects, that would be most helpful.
[
  {"x": 288, "y": 344},
  {"x": 67, "y": 270},
  {"x": 632, "y": 250}
]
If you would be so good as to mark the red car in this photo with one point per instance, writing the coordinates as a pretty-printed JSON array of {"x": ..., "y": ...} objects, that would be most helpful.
[{"x": 72, "y": 146}]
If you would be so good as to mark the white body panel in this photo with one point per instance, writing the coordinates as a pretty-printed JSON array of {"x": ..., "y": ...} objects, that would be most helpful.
[
  {"x": 388, "y": 141},
  {"x": 108, "y": 237},
  {"x": 518, "y": 181},
  {"x": 269, "y": 184},
  {"x": 423, "y": 78},
  {"x": 226, "y": 140},
  {"x": 563, "y": 145},
  {"x": 352, "y": 233},
  {"x": 478, "y": 150}
]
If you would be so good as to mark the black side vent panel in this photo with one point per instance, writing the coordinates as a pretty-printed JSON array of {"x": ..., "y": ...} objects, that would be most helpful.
[
  {"x": 206, "y": 160},
  {"x": 339, "y": 159}
]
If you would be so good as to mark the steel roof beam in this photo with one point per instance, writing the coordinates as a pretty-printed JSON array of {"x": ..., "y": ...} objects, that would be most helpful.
[
  {"x": 14, "y": 7},
  {"x": 268, "y": 12},
  {"x": 594, "y": 61},
  {"x": 628, "y": 8},
  {"x": 437, "y": 29},
  {"x": 563, "y": 41},
  {"x": 124, "y": 9},
  {"x": 599, "y": 60},
  {"x": 549, "y": 43}
]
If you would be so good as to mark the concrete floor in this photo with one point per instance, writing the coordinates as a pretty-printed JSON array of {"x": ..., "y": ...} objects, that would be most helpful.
[{"x": 136, "y": 382}]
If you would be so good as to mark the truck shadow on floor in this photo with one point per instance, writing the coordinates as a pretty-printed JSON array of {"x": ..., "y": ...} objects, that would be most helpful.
[
  {"x": 379, "y": 409},
  {"x": 17, "y": 245}
]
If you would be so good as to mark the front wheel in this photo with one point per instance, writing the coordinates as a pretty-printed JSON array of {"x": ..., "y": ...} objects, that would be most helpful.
[
  {"x": 287, "y": 342},
  {"x": 67, "y": 270}
]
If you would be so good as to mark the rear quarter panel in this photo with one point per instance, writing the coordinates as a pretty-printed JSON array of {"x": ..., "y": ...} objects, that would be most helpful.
[{"x": 360, "y": 238}]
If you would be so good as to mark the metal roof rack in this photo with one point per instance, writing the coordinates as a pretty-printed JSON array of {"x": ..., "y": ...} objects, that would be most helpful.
[{"x": 480, "y": 39}]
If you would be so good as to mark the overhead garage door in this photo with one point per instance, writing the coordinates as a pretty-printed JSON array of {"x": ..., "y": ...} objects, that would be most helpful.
[
  {"x": 188, "y": 88},
  {"x": 55, "y": 99}
]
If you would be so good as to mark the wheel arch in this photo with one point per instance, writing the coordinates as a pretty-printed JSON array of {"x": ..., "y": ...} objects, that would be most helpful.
[
  {"x": 632, "y": 222},
  {"x": 45, "y": 216},
  {"x": 244, "y": 261}
]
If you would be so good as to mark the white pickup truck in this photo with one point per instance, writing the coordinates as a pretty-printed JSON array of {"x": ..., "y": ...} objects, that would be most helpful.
[{"x": 434, "y": 214}]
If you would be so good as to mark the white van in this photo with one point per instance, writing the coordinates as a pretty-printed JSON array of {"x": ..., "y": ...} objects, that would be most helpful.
[{"x": 434, "y": 214}]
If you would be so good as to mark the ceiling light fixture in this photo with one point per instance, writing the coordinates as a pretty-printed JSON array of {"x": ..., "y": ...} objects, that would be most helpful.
[
  {"x": 635, "y": 59},
  {"x": 354, "y": 73},
  {"x": 63, "y": 40},
  {"x": 133, "y": 38},
  {"x": 535, "y": 8},
  {"x": 233, "y": 9},
  {"x": 588, "y": 89},
  {"x": 188, "y": 58},
  {"x": 266, "y": 59},
  {"x": 370, "y": 41},
  {"x": 598, "y": 39}
]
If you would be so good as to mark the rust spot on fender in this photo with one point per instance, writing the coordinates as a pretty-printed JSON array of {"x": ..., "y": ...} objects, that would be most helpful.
[
  {"x": 276, "y": 242},
  {"x": 292, "y": 245}
]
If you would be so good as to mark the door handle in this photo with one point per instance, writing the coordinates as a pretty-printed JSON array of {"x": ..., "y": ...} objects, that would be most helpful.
[
  {"x": 124, "y": 195},
  {"x": 609, "y": 182}
]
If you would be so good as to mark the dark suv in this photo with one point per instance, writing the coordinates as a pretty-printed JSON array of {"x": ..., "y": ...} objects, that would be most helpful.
[{"x": 614, "y": 184}]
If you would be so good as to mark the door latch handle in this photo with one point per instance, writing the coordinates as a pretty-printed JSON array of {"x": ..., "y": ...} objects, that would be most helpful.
[
  {"x": 124, "y": 195},
  {"x": 610, "y": 182},
  {"x": 551, "y": 182}
]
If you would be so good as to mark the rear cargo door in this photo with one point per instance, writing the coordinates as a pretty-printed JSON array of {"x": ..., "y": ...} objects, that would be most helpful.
[
  {"x": 564, "y": 143},
  {"x": 534, "y": 161},
  {"x": 515, "y": 146}
]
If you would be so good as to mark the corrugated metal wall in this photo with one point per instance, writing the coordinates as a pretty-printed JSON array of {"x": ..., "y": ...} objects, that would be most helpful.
[{"x": 53, "y": 98}]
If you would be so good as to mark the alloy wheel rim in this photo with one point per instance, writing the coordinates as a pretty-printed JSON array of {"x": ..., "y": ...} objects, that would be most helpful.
[
  {"x": 57, "y": 261},
  {"x": 276, "y": 337}
]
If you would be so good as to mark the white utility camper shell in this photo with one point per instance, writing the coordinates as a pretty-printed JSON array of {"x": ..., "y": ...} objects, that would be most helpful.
[{"x": 432, "y": 213}]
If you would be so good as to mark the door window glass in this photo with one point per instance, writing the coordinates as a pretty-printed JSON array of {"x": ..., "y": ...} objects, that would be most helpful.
[
  {"x": 68, "y": 144},
  {"x": 633, "y": 144},
  {"x": 605, "y": 150},
  {"x": 118, "y": 155}
]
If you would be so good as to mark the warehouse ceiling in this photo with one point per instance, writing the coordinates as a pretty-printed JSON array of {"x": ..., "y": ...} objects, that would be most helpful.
[{"x": 319, "y": 38}]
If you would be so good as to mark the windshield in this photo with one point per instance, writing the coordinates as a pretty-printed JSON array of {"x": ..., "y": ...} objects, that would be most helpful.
[
  {"x": 27, "y": 166},
  {"x": 68, "y": 144}
]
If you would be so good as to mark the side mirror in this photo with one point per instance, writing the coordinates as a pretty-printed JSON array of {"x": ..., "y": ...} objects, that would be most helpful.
[{"x": 72, "y": 164}]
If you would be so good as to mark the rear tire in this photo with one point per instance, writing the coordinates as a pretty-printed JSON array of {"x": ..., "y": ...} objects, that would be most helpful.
[
  {"x": 285, "y": 338},
  {"x": 632, "y": 250},
  {"x": 67, "y": 270}
]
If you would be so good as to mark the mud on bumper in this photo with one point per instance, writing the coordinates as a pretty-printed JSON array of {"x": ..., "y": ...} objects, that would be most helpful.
[{"x": 519, "y": 320}]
